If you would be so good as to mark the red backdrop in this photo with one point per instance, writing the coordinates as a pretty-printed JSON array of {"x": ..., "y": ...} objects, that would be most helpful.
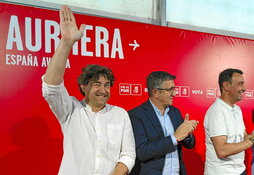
[{"x": 30, "y": 136}]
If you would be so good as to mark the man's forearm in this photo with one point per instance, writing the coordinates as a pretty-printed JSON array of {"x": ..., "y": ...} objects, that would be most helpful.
[
  {"x": 224, "y": 149},
  {"x": 69, "y": 35},
  {"x": 56, "y": 68}
]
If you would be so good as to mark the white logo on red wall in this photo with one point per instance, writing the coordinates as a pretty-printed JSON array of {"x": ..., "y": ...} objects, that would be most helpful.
[
  {"x": 124, "y": 89},
  {"x": 130, "y": 89},
  {"x": 212, "y": 92},
  {"x": 177, "y": 91},
  {"x": 249, "y": 94},
  {"x": 136, "y": 89},
  {"x": 182, "y": 91}
]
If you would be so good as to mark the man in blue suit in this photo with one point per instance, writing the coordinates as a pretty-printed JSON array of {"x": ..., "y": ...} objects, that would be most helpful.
[{"x": 159, "y": 129}]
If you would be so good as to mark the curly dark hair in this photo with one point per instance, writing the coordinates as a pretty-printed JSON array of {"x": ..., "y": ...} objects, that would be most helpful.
[{"x": 93, "y": 72}]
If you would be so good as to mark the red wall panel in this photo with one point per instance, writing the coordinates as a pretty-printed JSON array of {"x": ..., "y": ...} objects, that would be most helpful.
[{"x": 30, "y": 136}]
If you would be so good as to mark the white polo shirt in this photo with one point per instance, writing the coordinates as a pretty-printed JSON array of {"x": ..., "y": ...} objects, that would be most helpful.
[
  {"x": 223, "y": 120},
  {"x": 93, "y": 142}
]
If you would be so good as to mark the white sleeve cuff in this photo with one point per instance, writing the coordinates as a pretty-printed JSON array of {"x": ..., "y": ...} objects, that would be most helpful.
[{"x": 127, "y": 161}]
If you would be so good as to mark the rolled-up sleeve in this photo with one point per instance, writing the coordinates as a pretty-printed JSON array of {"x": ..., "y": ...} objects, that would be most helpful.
[
  {"x": 128, "y": 153},
  {"x": 58, "y": 99}
]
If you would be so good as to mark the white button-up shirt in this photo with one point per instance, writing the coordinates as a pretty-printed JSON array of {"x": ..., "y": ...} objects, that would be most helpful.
[
  {"x": 223, "y": 120},
  {"x": 93, "y": 142}
]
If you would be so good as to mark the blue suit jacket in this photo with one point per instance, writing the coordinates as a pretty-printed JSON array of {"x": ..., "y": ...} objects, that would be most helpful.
[{"x": 151, "y": 144}]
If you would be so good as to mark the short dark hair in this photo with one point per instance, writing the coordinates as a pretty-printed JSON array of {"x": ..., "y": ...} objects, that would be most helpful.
[
  {"x": 155, "y": 79},
  {"x": 93, "y": 72},
  {"x": 227, "y": 75}
]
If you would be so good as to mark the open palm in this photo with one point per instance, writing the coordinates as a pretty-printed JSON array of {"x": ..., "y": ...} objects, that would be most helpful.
[{"x": 69, "y": 30}]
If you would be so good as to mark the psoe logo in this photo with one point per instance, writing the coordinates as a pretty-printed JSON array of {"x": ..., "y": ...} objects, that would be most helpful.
[
  {"x": 182, "y": 91},
  {"x": 249, "y": 94},
  {"x": 124, "y": 89},
  {"x": 130, "y": 89},
  {"x": 212, "y": 92},
  {"x": 136, "y": 89}
]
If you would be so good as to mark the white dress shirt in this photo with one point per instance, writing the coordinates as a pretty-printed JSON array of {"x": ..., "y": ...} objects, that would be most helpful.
[{"x": 93, "y": 142}]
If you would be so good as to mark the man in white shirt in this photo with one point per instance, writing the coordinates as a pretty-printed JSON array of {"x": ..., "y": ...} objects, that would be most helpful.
[
  {"x": 226, "y": 137},
  {"x": 98, "y": 137}
]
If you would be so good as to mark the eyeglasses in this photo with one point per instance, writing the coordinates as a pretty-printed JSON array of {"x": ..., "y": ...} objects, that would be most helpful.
[{"x": 170, "y": 90}]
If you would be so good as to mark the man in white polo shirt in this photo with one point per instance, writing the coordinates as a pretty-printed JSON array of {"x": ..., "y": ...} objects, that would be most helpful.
[{"x": 226, "y": 137}]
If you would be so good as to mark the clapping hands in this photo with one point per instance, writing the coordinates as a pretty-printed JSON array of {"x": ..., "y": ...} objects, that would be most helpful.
[{"x": 186, "y": 128}]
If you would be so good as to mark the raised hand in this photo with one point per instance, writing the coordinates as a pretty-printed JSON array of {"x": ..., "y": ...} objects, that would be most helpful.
[
  {"x": 68, "y": 26},
  {"x": 70, "y": 34}
]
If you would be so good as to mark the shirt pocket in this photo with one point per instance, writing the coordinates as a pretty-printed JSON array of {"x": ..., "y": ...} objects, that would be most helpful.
[{"x": 114, "y": 133}]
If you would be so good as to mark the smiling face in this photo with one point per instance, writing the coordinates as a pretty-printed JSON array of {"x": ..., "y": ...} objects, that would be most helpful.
[
  {"x": 97, "y": 93},
  {"x": 236, "y": 88}
]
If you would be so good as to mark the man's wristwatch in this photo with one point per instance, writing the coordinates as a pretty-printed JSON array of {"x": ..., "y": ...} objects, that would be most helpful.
[{"x": 252, "y": 139}]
